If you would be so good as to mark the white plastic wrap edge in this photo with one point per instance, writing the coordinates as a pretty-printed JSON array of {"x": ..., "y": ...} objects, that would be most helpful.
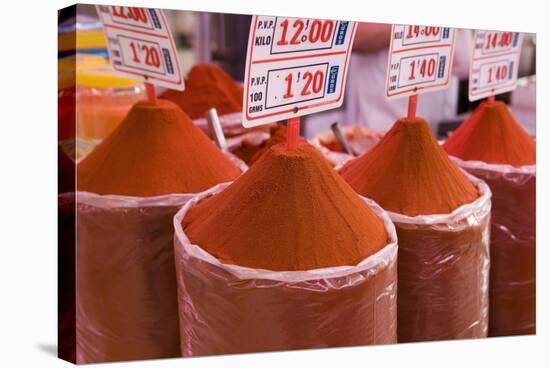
[
  {"x": 498, "y": 168},
  {"x": 336, "y": 158},
  {"x": 452, "y": 221},
  {"x": 120, "y": 201},
  {"x": 386, "y": 255}
]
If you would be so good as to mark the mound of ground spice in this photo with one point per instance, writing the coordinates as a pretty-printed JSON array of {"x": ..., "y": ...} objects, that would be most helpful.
[
  {"x": 278, "y": 135},
  {"x": 407, "y": 172},
  {"x": 156, "y": 150},
  {"x": 290, "y": 211},
  {"x": 207, "y": 86},
  {"x": 492, "y": 135}
]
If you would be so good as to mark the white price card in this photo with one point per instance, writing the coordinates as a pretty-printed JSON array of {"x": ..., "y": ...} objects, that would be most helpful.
[
  {"x": 420, "y": 59},
  {"x": 140, "y": 45},
  {"x": 495, "y": 62},
  {"x": 294, "y": 67}
]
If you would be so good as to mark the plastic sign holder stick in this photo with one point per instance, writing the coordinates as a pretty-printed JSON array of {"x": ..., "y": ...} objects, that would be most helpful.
[
  {"x": 293, "y": 133},
  {"x": 411, "y": 113},
  {"x": 491, "y": 98},
  {"x": 151, "y": 93}
]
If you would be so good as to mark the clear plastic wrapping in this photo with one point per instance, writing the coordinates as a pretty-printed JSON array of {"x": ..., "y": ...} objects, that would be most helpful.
[
  {"x": 512, "y": 288},
  {"x": 443, "y": 272},
  {"x": 126, "y": 304},
  {"x": 225, "y": 309},
  {"x": 335, "y": 158}
]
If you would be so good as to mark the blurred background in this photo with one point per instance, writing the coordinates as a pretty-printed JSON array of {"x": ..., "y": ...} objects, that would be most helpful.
[{"x": 213, "y": 38}]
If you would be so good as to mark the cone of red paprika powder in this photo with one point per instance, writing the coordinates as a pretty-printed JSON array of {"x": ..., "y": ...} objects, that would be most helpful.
[
  {"x": 286, "y": 257},
  {"x": 494, "y": 147},
  {"x": 442, "y": 221},
  {"x": 129, "y": 189}
]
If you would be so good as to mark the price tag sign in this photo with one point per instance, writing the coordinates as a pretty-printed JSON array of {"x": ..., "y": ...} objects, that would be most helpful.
[
  {"x": 140, "y": 45},
  {"x": 294, "y": 67},
  {"x": 420, "y": 59},
  {"x": 495, "y": 62}
]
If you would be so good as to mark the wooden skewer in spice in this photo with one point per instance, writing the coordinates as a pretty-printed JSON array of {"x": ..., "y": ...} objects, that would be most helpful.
[
  {"x": 215, "y": 127},
  {"x": 340, "y": 138}
]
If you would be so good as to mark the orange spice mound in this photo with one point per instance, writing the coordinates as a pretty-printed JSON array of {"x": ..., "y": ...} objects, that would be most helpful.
[
  {"x": 156, "y": 150},
  {"x": 290, "y": 211},
  {"x": 407, "y": 172},
  {"x": 207, "y": 86},
  {"x": 278, "y": 135},
  {"x": 492, "y": 134}
]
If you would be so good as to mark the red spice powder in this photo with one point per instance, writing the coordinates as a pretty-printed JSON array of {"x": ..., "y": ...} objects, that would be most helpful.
[
  {"x": 492, "y": 134},
  {"x": 156, "y": 150},
  {"x": 278, "y": 135},
  {"x": 409, "y": 173},
  {"x": 441, "y": 273},
  {"x": 289, "y": 211},
  {"x": 207, "y": 86}
]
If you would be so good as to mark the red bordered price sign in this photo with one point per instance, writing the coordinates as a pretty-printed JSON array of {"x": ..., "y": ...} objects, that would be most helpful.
[
  {"x": 495, "y": 62},
  {"x": 294, "y": 67},
  {"x": 140, "y": 45},
  {"x": 420, "y": 59}
]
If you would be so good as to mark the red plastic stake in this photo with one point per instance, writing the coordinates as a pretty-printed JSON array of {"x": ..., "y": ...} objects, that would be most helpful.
[
  {"x": 292, "y": 133},
  {"x": 491, "y": 99},
  {"x": 151, "y": 93},
  {"x": 411, "y": 114}
]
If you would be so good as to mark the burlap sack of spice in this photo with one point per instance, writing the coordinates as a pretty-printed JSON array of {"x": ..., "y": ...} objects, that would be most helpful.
[
  {"x": 227, "y": 309},
  {"x": 512, "y": 287}
]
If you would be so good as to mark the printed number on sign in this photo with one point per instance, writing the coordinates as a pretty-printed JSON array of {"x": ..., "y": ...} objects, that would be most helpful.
[
  {"x": 144, "y": 55},
  {"x": 318, "y": 31},
  {"x": 498, "y": 41},
  {"x": 421, "y": 34},
  {"x": 307, "y": 34},
  {"x": 129, "y": 16},
  {"x": 289, "y": 85},
  {"x": 313, "y": 81}
]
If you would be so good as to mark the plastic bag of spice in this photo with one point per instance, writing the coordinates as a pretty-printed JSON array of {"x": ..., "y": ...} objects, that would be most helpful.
[
  {"x": 125, "y": 254},
  {"x": 225, "y": 308},
  {"x": 443, "y": 271},
  {"x": 512, "y": 289}
]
